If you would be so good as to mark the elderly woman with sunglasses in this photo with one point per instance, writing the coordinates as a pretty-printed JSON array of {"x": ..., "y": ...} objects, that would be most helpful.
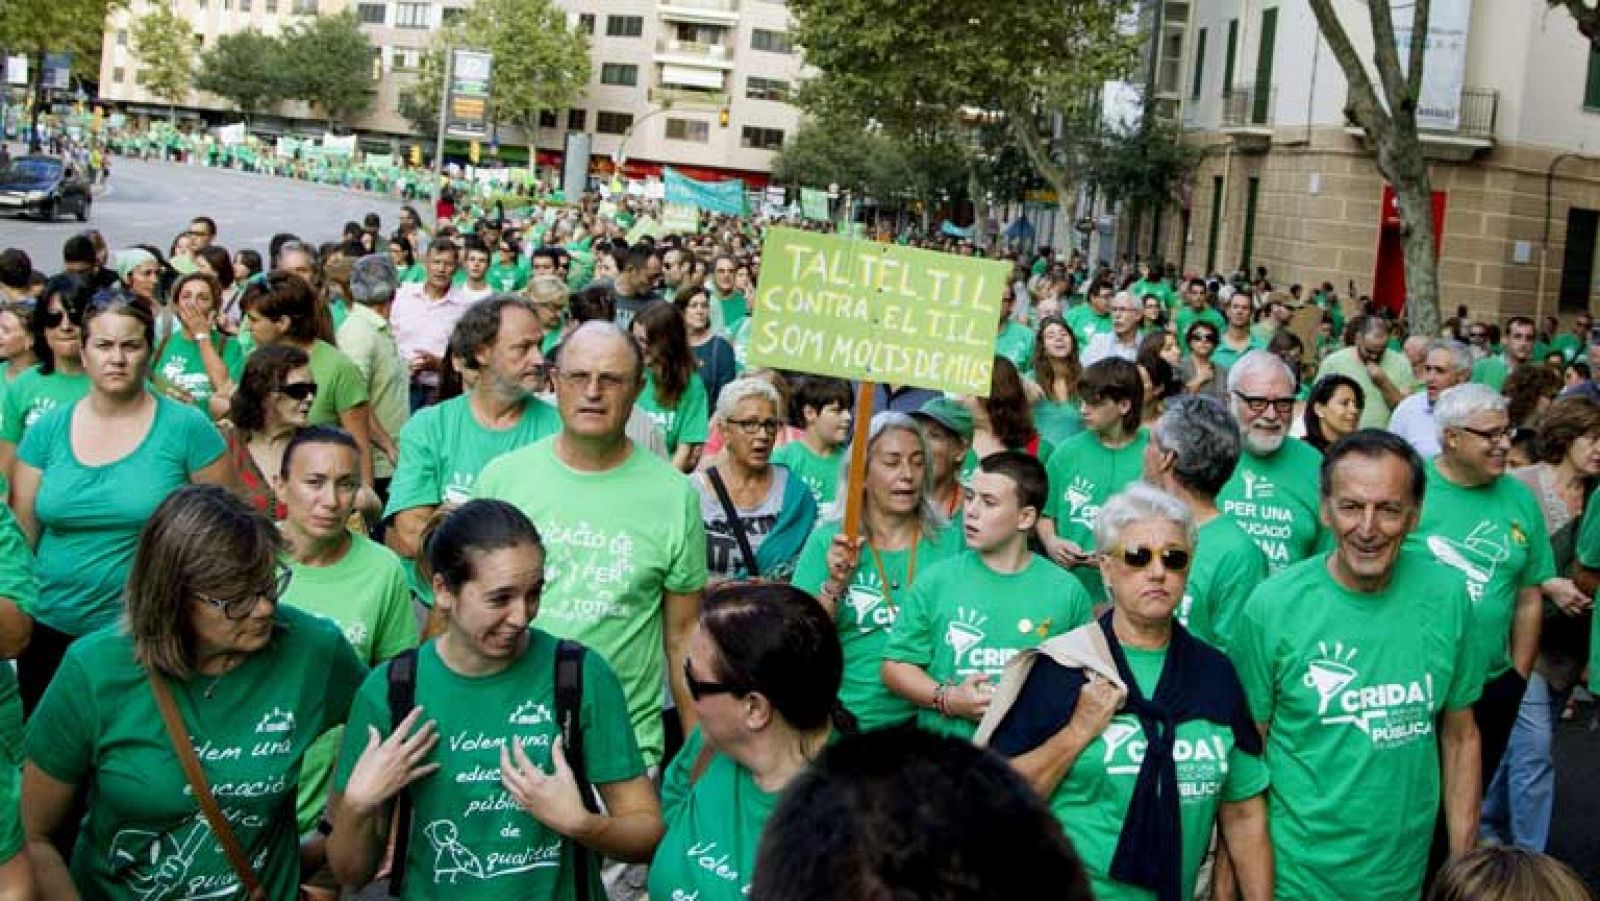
[
  {"x": 248, "y": 684},
  {"x": 1136, "y": 732}
]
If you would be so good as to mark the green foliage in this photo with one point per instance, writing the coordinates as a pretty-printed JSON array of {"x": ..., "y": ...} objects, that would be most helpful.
[
  {"x": 164, "y": 44},
  {"x": 327, "y": 62},
  {"x": 34, "y": 27},
  {"x": 420, "y": 103},
  {"x": 245, "y": 68},
  {"x": 870, "y": 162},
  {"x": 1141, "y": 166}
]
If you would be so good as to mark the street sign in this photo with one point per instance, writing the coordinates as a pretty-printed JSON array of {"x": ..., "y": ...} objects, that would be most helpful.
[{"x": 467, "y": 113}]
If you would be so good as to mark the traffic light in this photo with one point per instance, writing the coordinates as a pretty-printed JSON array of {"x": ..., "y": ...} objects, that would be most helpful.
[
  {"x": 473, "y": 152},
  {"x": 416, "y": 154},
  {"x": 722, "y": 117}
]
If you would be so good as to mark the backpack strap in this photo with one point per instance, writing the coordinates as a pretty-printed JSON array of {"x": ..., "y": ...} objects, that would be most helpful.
[
  {"x": 402, "y": 699},
  {"x": 569, "y": 703},
  {"x": 751, "y": 567}
]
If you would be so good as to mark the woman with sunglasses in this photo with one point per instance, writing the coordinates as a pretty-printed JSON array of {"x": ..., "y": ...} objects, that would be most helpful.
[
  {"x": 673, "y": 394},
  {"x": 495, "y": 809},
  {"x": 1199, "y": 374},
  {"x": 254, "y": 682},
  {"x": 763, "y": 670},
  {"x": 88, "y": 476},
  {"x": 272, "y": 402},
  {"x": 1056, "y": 370},
  {"x": 1086, "y": 720},
  {"x": 746, "y": 501},
  {"x": 57, "y": 378}
]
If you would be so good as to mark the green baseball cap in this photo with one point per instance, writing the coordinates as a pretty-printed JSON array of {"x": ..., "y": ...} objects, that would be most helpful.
[{"x": 949, "y": 413}]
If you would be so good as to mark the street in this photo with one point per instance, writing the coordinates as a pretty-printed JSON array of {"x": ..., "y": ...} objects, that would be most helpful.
[
  {"x": 1575, "y": 834},
  {"x": 151, "y": 202}
]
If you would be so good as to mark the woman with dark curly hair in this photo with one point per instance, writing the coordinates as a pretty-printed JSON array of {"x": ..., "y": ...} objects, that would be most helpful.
[
  {"x": 673, "y": 394},
  {"x": 1530, "y": 389},
  {"x": 272, "y": 402},
  {"x": 1333, "y": 410}
]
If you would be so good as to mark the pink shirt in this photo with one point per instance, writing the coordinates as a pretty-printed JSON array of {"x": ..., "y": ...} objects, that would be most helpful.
[{"x": 422, "y": 325}]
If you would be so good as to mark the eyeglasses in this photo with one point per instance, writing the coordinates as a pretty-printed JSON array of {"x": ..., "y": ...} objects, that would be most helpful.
[
  {"x": 240, "y": 607},
  {"x": 609, "y": 382},
  {"x": 699, "y": 689},
  {"x": 54, "y": 319},
  {"x": 1493, "y": 436},
  {"x": 1173, "y": 559},
  {"x": 752, "y": 426},
  {"x": 1205, "y": 337},
  {"x": 298, "y": 390},
  {"x": 1283, "y": 405}
]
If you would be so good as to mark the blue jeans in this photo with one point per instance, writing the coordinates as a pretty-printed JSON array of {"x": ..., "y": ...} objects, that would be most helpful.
[{"x": 1520, "y": 800}]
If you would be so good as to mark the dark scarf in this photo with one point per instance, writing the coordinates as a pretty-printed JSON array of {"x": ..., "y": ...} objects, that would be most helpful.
[{"x": 1197, "y": 683}]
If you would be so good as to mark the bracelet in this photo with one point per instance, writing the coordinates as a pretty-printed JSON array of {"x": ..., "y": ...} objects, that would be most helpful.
[{"x": 941, "y": 693}]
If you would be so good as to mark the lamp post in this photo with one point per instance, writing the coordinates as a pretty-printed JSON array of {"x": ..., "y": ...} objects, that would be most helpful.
[{"x": 620, "y": 158}]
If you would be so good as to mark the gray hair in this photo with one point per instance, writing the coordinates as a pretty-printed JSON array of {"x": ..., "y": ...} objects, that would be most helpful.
[
  {"x": 373, "y": 280},
  {"x": 883, "y": 423},
  {"x": 1139, "y": 502},
  {"x": 1457, "y": 405},
  {"x": 1460, "y": 357},
  {"x": 1205, "y": 439},
  {"x": 1255, "y": 361},
  {"x": 740, "y": 389}
]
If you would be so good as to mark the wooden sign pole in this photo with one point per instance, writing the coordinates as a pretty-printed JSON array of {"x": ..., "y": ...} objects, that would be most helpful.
[{"x": 858, "y": 459}]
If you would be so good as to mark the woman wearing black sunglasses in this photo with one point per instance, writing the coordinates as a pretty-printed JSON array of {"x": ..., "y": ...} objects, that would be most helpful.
[
  {"x": 1136, "y": 732},
  {"x": 57, "y": 378},
  {"x": 1199, "y": 374},
  {"x": 272, "y": 402}
]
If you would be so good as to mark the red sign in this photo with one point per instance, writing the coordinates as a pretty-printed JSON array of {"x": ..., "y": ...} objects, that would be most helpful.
[{"x": 1389, "y": 275}]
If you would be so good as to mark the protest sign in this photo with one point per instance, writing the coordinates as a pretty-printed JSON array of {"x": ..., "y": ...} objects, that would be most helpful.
[
  {"x": 814, "y": 204},
  {"x": 680, "y": 218},
  {"x": 725, "y": 197}
]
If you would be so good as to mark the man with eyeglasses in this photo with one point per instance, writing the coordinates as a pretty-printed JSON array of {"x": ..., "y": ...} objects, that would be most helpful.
[
  {"x": 1122, "y": 341},
  {"x": 625, "y": 548},
  {"x": 1359, "y": 669},
  {"x": 1445, "y": 365},
  {"x": 1272, "y": 494},
  {"x": 1384, "y": 374},
  {"x": 1093, "y": 318},
  {"x": 1197, "y": 308},
  {"x": 202, "y": 233},
  {"x": 1516, "y": 352},
  {"x": 1491, "y": 528}
]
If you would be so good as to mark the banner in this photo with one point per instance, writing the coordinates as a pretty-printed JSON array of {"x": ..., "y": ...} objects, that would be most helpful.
[
  {"x": 646, "y": 227},
  {"x": 725, "y": 197},
  {"x": 380, "y": 160},
  {"x": 814, "y": 204},
  {"x": 879, "y": 312},
  {"x": 682, "y": 219},
  {"x": 231, "y": 134},
  {"x": 467, "y": 111},
  {"x": 333, "y": 145},
  {"x": 1444, "y": 56}
]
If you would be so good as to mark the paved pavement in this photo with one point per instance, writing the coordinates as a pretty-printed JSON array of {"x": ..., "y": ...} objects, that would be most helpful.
[
  {"x": 151, "y": 202},
  {"x": 1575, "y": 834}
]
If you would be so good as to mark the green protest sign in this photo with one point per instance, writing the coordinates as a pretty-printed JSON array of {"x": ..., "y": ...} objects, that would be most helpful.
[
  {"x": 680, "y": 218},
  {"x": 646, "y": 227},
  {"x": 814, "y": 204},
  {"x": 878, "y": 312}
]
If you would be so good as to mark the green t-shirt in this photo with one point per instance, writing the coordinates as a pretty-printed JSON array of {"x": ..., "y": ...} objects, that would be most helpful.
[
  {"x": 443, "y": 447},
  {"x": 1086, "y": 323},
  {"x": 865, "y": 615},
  {"x": 1491, "y": 371},
  {"x": 1352, "y": 686},
  {"x": 1568, "y": 344},
  {"x": 340, "y": 386},
  {"x": 366, "y": 595},
  {"x": 416, "y": 272},
  {"x": 733, "y": 308},
  {"x": 506, "y": 278},
  {"x": 17, "y": 581},
  {"x": 469, "y": 839},
  {"x": 818, "y": 473},
  {"x": 1158, "y": 287},
  {"x": 33, "y": 394},
  {"x": 144, "y": 837},
  {"x": 90, "y": 516},
  {"x": 182, "y": 367},
  {"x": 1226, "y": 356},
  {"x": 1015, "y": 343},
  {"x": 12, "y": 838},
  {"x": 1227, "y": 567},
  {"x": 713, "y": 828},
  {"x": 1588, "y": 554},
  {"x": 606, "y": 565},
  {"x": 1042, "y": 451},
  {"x": 1274, "y": 499},
  {"x": 1084, "y": 474},
  {"x": 964, "y": 618},
  {"x": 1495, "y": 536},
  {"x": 1187, "y": 316},
  {"x": 1091, "y": 803},
  {"x": 688, "y": 421},
  {"x": 1058, "y": 421}
]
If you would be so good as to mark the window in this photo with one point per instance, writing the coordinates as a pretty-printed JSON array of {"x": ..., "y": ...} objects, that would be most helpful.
[
  {"x": 199, "y": 41},
  {"x": 200, "y": 3},
  {"x": 547, "y": 118},
  {"x": 272, "y": 7},
  {"x": 624, "y": 26},
  {"x": 448, "y": 17},
  {"x": 766, "y": 89},
  {"x": 586, "y": 23},
  {"x": 370, "y": 13},
  {"x": 761, "y": 138},
  {"x": 1230, "y": 57},
  {"x": 689, "y": 130},
  {"x": 244, "y": 6},
  {"x": 619, "y": 73},
  {"x": 122, "y": 37},
  {"x": 577, "y": 119},
  {"x": 1199, "y": 65},
  {"x": 771, "y": 41},
  {"x": 411, "y": 15},
  {"x": 699, "y": 34},
  {"x": 1591, "y": 84},
  {"x": 305, "y": 7},
  {"x": 610, "y": 123},
  {"x": 405, "y": 60},
  {"x": 377, "y": 64},
  {"x": 118, "y": 74}
]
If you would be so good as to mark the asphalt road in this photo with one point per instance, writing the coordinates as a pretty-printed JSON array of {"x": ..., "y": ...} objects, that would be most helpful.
[
  {"x": 151, "y": 202},
  {"x": 1575, "y": 834}
]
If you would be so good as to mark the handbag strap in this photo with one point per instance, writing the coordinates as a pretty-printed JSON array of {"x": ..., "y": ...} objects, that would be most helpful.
[
  {"x": 182, "y": 746},
  {"x": 752, "y": 568}
]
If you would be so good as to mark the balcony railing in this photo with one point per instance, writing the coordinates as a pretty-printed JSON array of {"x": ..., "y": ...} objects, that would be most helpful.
[
  {"x": 1246, "y": 107},
  {"x": 1478, "y": 112},
  {"x": 693, "y": 49},
  {"x": 715, "y": 6},
  {"x": 687, "y": 98}
]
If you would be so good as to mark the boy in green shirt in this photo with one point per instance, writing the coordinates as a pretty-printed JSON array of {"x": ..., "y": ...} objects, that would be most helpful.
[
  {"x": 822, "y": 408},
  {"x": 972, "y": 613}
]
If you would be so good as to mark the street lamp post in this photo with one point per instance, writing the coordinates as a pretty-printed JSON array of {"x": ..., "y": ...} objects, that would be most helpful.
[{"x": 620, "y": 158}]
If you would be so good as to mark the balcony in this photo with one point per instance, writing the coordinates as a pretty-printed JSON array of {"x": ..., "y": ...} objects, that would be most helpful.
[
  {"x": 1247, "y": 116},
  {"x": 687, "y": 98},
  {"x": 673, "y": 52},
  {"x": 1471, "y": 134},
  {"x": 701, "y": 12}
]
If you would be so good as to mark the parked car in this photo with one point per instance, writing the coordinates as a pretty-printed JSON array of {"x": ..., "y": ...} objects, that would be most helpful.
[{"x": 45, "y": 186}]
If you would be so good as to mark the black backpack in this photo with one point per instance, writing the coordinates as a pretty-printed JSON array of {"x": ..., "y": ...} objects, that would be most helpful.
[{"x": 569, "y": 700}]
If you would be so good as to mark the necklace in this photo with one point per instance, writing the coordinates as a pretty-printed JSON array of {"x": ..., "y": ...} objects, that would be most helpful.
[{"x": 883, "y": 576}]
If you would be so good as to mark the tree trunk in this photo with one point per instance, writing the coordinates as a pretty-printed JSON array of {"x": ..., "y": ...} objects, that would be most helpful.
[
  {"x": 1054, "y": 174},
  {"x": 1414, "y": 195}
]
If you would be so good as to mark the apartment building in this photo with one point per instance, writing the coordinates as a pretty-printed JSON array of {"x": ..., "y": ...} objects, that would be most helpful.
[
  {"x": 700, "y": 85},
  {"x": 1511, "y": 126}
]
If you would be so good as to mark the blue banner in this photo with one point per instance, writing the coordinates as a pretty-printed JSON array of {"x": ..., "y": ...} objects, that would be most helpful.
[{"x": 725, "y": 197}]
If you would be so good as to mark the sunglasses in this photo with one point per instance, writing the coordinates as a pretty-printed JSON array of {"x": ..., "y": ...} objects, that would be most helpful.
[
  {"x": 1173, "y": 559},
  {"x": 298, "y": 390},
  {"x": 54, "y": 319},
  {"x": 1203, "y": 336},
  {"x": 699, "y": 689}
]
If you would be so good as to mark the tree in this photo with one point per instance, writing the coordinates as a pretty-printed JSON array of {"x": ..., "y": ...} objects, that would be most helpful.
[
  {"x": 328, "y": 65},
  {"x": 927, "y": 61},
  {"x": 245, "y": 68},
  {"x": 33, "y": 28},
  {"x": 1390, "y": 124},
  {"x": 862, "y": 158},
  {"x": 419, "y": 105},
  {"x": 1586, "y": 16},
  {"x": 164, "y": 43},
  {"x": 1140, "y": 165}
]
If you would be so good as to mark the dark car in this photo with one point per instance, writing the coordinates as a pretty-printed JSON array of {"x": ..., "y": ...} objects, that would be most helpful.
[{"x": 45, "y": 186}]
